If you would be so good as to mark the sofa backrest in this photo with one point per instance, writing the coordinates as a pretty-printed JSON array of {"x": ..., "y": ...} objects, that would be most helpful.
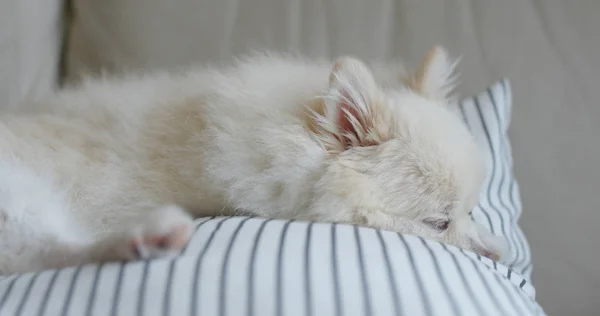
[{"x": 548, "y": 49}]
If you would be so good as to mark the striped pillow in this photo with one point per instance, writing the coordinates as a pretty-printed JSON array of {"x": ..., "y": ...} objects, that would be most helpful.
[
  {"x": 253, "y": 266},
  {"x": 488, "y": 117}
]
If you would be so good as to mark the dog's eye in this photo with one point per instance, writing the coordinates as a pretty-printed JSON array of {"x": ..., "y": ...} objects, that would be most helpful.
[{"x": 438, "y": 224}]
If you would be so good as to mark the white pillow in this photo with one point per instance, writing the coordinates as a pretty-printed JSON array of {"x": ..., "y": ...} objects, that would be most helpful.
[
  {"x": 261, "y": 267},
  {"x": 488, "y": 117}
]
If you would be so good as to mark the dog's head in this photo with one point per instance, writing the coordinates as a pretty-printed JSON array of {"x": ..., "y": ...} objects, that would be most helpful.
[{"x": 401, "y": 158}]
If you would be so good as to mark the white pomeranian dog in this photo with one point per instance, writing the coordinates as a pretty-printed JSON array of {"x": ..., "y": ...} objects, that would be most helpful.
[{"x": 117, "y": 169}]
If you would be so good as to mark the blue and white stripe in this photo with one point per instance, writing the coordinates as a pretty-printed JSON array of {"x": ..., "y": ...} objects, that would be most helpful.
[
  {"x": 254, "y": 266},
  {"x": 488, "y": 117}
]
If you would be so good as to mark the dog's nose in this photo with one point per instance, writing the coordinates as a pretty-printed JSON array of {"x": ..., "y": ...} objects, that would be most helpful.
[{"x": 489, "y": 254}]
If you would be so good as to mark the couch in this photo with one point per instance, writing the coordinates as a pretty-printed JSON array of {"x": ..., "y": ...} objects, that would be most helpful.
[{"x": 547, "y": 49}]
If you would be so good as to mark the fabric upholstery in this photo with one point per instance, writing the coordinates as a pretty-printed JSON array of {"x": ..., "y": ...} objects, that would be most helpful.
[
  {"x": 31, "y": 33},
  {"x": 252, "y": 266},
  {"x": 548, "y": 49}
]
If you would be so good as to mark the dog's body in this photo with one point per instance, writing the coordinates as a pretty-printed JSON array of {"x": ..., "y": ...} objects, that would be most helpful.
[{"x": 104, "y": 171}]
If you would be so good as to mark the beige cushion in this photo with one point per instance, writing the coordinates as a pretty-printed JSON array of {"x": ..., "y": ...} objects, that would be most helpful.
[
  {"x": 30, "y": 43},
  {"x": 548, "y": 49}
]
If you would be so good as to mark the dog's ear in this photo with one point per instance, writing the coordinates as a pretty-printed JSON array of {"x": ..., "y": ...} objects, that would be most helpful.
[
  {"x": 355, "y": 111},
  {"x": 435, "y": 78}
]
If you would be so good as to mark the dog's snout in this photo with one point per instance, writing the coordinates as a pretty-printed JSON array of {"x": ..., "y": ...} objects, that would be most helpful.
[{"x": 490, "y": 255}]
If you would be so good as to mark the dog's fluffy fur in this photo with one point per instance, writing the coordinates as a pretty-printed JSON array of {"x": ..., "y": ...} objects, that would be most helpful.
[{"x": 116, "y": 169}]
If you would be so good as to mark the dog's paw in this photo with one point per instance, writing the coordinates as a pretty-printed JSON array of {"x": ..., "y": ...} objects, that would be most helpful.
[{"x": 165, "y": 232}]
